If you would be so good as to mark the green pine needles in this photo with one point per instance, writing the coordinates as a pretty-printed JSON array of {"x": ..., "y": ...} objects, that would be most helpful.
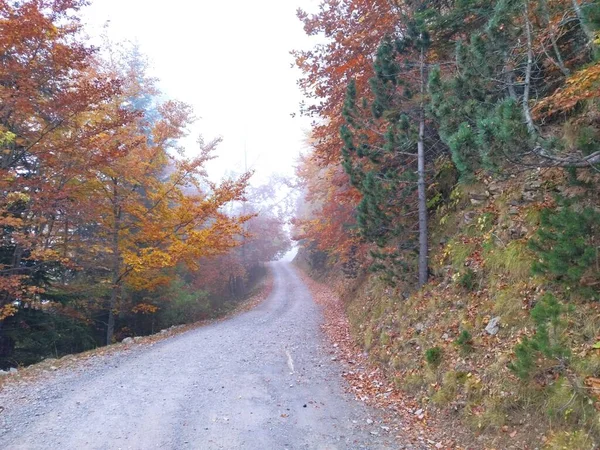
[
  {"x": 547, "y": 341},
  {"x": 568, "y": 248}
]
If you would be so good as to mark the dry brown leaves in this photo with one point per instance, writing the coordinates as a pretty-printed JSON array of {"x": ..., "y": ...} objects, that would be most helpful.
[{"x": 367, "y": 381}]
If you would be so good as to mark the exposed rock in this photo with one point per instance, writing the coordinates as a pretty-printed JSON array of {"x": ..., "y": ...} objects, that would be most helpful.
[
  {"x": 494, "y": 189},
  {"x": 493, "y": 326},
  {"x": 513, "y": 210},
  {"x": 469, "y": 217},
  {"x": 419, "y": 327},
  {"x": 3, "y": 373},
  {"x": 530, "y": 196},
  {"x": 445, "y": 336},
  {"x": 532, "y": 186},
  {"x": 476, "y": 202},
  {"x": 137, "y": 338},
  {"x": 128, "y": 340},
  {"x": 480, "y": 197},
  {"x": 518, "y": 232}
]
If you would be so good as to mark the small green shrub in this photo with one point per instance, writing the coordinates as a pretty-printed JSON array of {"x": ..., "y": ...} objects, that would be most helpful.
[
  {"x": 547, "y": 342},
  {"x": 433, "y": 356},
  {"x": 185, "y": 305},
  {"x": 465, "y": 341},
  {"x": 468, "y": 279}
]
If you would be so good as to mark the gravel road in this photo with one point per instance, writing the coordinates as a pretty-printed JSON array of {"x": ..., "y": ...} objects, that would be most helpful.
[{"x": 261, "y": 380}]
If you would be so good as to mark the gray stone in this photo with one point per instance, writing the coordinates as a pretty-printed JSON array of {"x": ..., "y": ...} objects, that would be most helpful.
[
  {"x": 12, "y": 370},
  {"x": 128, "y": 340},
  {"x": 532, "y": 186},
  {"x": 469, "y": 217},
  {"x": 530, "y": 196},
  {"x": 493, "y": 326},
  {"x": 3, "y": 373}
]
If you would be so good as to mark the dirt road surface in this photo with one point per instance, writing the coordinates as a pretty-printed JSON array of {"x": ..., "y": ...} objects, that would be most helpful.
[{"x": 261, "y": 380}]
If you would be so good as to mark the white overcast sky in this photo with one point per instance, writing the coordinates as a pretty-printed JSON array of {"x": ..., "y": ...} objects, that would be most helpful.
[{"x": 230, "y": 60}]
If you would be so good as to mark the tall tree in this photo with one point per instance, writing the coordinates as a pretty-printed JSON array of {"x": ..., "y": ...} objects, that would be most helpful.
[
  {"x": 46, "y": 87},
  {"x": 386, "y": 155}
]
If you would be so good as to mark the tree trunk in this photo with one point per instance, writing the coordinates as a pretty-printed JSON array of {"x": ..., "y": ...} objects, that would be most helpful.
[
  {"x": 560, "y": 63},
  {"x": 116, "y": 266},
  {"x": 528, "y": 68},
  {"x": 421, "y": 187}
]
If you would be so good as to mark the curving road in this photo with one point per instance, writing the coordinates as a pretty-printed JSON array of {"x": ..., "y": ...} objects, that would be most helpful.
[{"x": 261, "y": 380}]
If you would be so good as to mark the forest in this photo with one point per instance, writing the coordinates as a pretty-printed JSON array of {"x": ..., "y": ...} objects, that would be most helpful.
[
  {"x": 451, "y": 192},
  {"x": 109, "y": 228},
  {"x": 449, "y": 195}
]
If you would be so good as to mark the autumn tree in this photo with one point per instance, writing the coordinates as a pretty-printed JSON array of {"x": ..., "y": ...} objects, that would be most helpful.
[
  {"x": 46, "y": 87},
  {"x": 96, "y": 195},
  {"x": 153, "y": 207},
  {"x": 350, "y": 31}
]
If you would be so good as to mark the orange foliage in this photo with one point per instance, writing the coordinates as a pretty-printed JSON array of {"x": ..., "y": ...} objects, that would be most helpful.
[
  {"x": 46, "y": 87},
  {"x": 582, "y": 85},
  {"x": 353, "y": 30}
]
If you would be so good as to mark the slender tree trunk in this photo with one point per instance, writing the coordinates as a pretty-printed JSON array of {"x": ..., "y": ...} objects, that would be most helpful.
[
  {"x": 421, "y": 187},
  {"x": 560, "y": 63},
  {"x": 528, "y": 68},
  {"x": 116, "y": 266}
]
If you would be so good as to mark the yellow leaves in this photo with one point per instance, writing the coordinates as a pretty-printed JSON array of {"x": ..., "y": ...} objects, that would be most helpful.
[
  {"x": 148, "y": 258},
  {"x": 7, "y": 311},
  {"x": 7, "y": 137},
  {"x": 46, "y": 254},
  {"x": 144, "y": 308},
  {"x": 14, "y": 197}
]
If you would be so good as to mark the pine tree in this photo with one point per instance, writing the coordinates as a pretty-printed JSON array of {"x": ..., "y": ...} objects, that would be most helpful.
[
  {"x": 507, "y": 54},
  {"x": 384, "y": 151},
  {"x": 567, "y": 244}
]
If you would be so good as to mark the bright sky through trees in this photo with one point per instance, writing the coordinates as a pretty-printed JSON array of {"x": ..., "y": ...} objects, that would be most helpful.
[{"x": 231, "y": 62}]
